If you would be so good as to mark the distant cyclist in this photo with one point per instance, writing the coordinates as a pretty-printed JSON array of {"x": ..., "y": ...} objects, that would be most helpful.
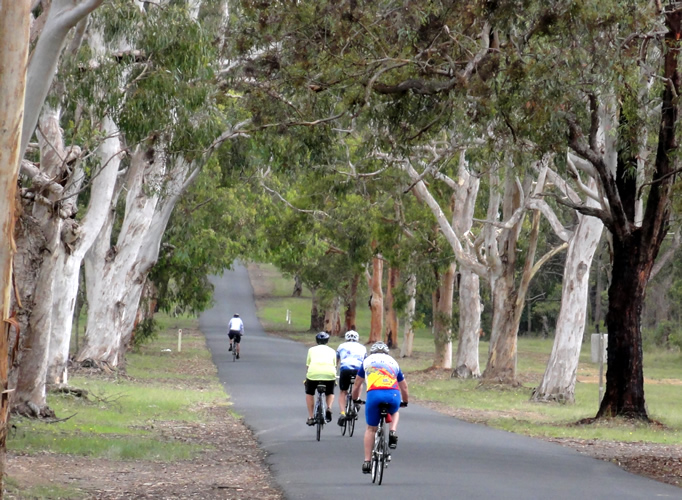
[
  {"x": 321, "y": 363},
  {"x": 385, "y": 384},
  {"x": 236, "y": 328},
  {"x": 349, "y": 357}
]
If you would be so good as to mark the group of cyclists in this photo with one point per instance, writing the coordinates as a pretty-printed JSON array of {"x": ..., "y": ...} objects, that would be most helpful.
[
  {"x": 381, "y": 373},
  {"x": 384, "y": 379}
]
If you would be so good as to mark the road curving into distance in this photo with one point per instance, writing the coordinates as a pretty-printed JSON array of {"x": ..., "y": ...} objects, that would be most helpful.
[{"x": 437, "y": 456}]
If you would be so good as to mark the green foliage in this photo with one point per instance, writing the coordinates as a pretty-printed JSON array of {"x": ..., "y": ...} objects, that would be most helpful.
[{"x": 146, "y": 331}]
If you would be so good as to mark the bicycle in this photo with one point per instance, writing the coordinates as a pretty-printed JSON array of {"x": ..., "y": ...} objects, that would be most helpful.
[
  {"x": 318, "y": 412},
  {"x": 380, "y": 454},
  {"x": 351, "y": 411}
]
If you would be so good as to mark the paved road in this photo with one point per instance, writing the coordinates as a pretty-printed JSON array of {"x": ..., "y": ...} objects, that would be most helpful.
[{"x": 437, "y": 457}]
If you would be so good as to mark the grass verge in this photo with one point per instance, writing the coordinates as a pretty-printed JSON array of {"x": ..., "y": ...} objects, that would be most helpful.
[{"x": 126, "y": 416}]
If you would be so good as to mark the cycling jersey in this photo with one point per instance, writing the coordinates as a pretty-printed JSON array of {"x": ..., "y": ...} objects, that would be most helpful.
[
  {"x": 236, "y": 325},
  {"x": 381, "y": 371},
  {"x": 350, "y": 355},
  {"x": 321, "y": 363}
]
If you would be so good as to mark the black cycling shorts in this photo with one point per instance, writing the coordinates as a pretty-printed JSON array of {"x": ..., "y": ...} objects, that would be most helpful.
[
  {"x": 311, "y": 386},
  {"x": 236, "y": 335},
  {"x": 344, "y": 378}
]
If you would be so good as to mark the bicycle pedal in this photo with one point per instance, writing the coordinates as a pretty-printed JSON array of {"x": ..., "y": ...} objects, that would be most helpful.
[{"x": 388, "y": 458}]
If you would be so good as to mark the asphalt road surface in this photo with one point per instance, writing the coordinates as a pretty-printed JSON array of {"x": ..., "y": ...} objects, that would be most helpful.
[{"x": 437, "y": 456}]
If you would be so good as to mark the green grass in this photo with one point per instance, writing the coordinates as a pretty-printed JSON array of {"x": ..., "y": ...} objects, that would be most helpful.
[
  {"x": 120, "y": 418},
  {"x": 509, "y": 409},
  {"x": 42, "y": 492}
]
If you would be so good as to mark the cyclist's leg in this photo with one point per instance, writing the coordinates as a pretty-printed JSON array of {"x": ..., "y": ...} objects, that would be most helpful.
[
  {"x": 230, "y": 335},
  {"x": 330, "y": 399},
  {"x": 372, "y": 416},
  {"x": 310, "y": 386},
  {"x": 344, "y": 382}
]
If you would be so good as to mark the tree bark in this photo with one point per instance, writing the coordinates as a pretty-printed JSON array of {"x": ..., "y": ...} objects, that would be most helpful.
[
  {"x": 63, "y": 15},
  {"x": 408, "y": 332},
  {"x": 14, "y": 39},
  {"x": 558, "y": 382},
  {"x": 316, "y": 319},
  {"x": 467, "y": 359},
  {"x": 376, "y": 300},
  {"x": 442, "y": 319},
  {"x": 391, "y": 314},
  {"x": 352, "y": 303},
  {"x": 70, "y": 258}
]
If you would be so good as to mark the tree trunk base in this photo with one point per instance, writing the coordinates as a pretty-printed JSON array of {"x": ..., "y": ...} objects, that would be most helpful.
[
  {"x": 621, "y": 419},
  {"x": 463, "y": 372},
  {"x": 93, "y": 366},
  {"x": 32, "y": 410},
  {"x": 551, "y": 398}
]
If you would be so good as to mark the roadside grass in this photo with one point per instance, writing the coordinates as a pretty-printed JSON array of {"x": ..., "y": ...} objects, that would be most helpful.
[
  {"x": 121, "y": 418},
  {"x": 507, "y": 408}
]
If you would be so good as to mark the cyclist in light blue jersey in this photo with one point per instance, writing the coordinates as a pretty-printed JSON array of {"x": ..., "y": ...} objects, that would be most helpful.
[{"x": 349, "y": 357}]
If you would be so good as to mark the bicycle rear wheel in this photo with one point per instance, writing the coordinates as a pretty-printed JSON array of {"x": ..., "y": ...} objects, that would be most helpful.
[
  {"x": 376, "y": 455},
  {"x": 319, "y": 417},
  {"x": 234, "y": 352}
]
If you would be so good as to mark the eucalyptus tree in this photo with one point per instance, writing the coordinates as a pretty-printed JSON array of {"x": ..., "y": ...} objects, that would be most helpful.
[
  {"x": 628, "y": 76},
  {"x": 14, "y": 40},
  {"x": 51, "y": 241},
  {"x": 168, "y": 112}
]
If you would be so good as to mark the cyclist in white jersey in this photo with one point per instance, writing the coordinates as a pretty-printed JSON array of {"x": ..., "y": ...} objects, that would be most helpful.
[
  {"x": 235, "y": 332},
  {"x": 349, "y": 357}
]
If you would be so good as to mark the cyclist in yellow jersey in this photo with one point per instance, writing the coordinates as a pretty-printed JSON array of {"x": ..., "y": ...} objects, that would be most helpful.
[{"x": 321, "y": 365}]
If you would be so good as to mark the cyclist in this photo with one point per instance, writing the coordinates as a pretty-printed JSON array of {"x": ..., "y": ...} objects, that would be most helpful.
[
  {"x": 321, "y": 363},
  {"x": 385, "y": 384},
  {"x": 236, "y": 330},
  {"x": 349, "y": 357}
]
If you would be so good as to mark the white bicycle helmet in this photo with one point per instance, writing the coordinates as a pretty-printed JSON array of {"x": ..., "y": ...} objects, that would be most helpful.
[
  {"x": 352, "y": 336},
  {"x": 379, "y": 347}
]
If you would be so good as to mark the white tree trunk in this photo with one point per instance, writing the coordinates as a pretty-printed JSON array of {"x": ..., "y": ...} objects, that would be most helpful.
[
  {"x": 408, "y": 333},
  {"x": 558, "y": 382},
  {"x": 63, "y": 15},
  {"x": 70, "y": 258},
  {"x": 467, "y": 361},
  {"x": 121, "y": 271},
  {"x": 111, "y": 270},
  {"x": 30, "y": 395}
]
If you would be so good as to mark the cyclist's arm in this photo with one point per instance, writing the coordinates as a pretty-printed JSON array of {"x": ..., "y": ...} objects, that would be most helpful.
[{"x": 404, "y": 394}]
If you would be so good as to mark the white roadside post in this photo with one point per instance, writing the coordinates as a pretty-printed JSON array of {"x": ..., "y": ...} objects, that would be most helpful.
[{"x": 180, "y": 340}]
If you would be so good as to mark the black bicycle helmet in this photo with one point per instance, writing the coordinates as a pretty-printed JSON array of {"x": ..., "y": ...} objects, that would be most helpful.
[
  {"x": 378, "y": 347},
  {"x": 322, "y": 338},
  {"x": 236, "y": 315}
]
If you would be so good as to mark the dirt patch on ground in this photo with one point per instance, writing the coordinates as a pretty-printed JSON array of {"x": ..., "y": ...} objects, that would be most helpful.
[{"x": 233, "y": 469}]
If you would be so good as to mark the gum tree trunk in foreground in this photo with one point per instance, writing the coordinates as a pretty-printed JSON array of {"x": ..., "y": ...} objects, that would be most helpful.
[{"x": 14, "y": 40}]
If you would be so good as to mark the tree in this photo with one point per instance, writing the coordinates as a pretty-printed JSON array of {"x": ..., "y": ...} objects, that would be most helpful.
[{"x": 14, "y": 40}]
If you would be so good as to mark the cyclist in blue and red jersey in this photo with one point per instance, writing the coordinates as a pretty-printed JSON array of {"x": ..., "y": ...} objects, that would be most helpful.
[
  {"x": 349, "y": 357},
  {"x": 385, "y": 384}
]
